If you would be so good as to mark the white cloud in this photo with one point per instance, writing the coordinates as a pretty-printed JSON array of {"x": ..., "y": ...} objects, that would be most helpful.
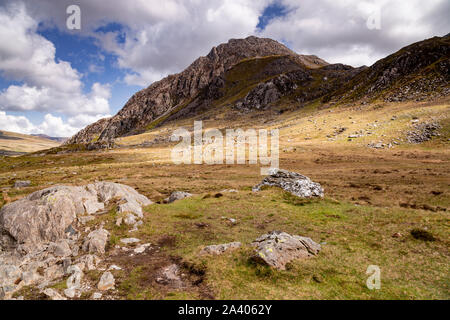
[
  {"x": 48, "y": 85},
  {"x": 51, "y": 125},
  {"x": 337, "y": 30}
]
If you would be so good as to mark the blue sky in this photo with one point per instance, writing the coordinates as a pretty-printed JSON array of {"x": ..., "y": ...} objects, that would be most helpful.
[{"x": 56, "y": 81}]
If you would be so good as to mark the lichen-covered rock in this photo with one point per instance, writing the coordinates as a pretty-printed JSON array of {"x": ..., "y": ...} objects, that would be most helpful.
[
  {"x": 295, "y": 183},
  {"x": 276, "y": 249},
  {"x": 220, "y": 248}
]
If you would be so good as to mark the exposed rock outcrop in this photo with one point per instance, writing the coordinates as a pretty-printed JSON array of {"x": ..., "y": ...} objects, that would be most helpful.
[
  {"x": 295, "y": 183},
  {"x": 49, "y": 214}
]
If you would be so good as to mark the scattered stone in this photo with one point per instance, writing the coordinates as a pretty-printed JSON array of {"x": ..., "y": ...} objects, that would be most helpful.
[
  {"x": 22, "y": 184},
  {"x": 397, "y": 235},
  {"x": 169, "y": 276},
  {"x": 53, "y": 294},
  {"x": 423, "y": 132},
  {"x": 114, "y": 267},
  {"x": 139, "y": 249},
  {"x": 96, "y": 295},
  {"x": 129, "y": 240},
  {"x": 106, "y": 282},
  {"x": 177, "y": 195},
  {"x": 220, "y": 248},
  {"x": 277, "y": 248},
  {"x": 95, "y": 242},
  {"x": 295, "y": 183}
]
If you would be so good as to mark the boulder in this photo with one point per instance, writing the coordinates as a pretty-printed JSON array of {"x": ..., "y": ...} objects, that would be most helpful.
[
  {"x": 220, "y": 248},
  {"x": 277, "y": 248},
  {"x": 96, "y": 240},
  {"x": 50, "y": 214},
  {"x": 61, "y": 248},
  {"x": 22, "y": 184},
  {"x": 106, "y": 282},
  {"x": 295, "y": 183},
  {"x": 177, "y": 195}
]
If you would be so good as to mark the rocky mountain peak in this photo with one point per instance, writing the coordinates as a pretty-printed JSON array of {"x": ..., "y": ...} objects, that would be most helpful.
[{"x": 172, "y": 92}]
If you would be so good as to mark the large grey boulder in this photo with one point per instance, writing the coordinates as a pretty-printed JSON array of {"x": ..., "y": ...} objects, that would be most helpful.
[
  {"x": 295, "y": 183},
  {"x": 50, "y": 214},
  {"x": 277, "y": 248}
]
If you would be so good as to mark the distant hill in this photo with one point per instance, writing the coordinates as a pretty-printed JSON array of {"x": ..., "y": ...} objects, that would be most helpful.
[
  {"x": 57, "y": 139},
  {"x": 12, "y": 143}
]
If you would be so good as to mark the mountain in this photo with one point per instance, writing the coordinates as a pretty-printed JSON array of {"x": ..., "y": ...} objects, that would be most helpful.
[
  {"x": 176, "y": 91},
  {"x": 257, "y": 73},
  {"x": 12, "y": 143}
]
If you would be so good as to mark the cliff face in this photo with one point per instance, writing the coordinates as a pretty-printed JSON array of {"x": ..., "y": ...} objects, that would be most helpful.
[{"x": 174, "y": 91}]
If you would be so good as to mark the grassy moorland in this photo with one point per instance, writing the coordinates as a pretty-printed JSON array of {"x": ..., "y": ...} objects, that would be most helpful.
[{"x": 370, "y": 194}]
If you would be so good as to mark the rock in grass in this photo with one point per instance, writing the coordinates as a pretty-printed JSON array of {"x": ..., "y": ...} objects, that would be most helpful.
[
  {"x": 177, "y": 195},
  {"x": 106, "y": 282},
  {"x": 295, "y": 183},
  {"x": 220, "y": 248},
  {"x": 277, "y": 248},
  {"x": 22, "y": 184},
  {"x": 129, "y": 240}
]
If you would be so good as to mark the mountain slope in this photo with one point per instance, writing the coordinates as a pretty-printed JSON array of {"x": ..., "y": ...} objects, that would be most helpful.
[
  {"x": 418, "y": 71},
  {"x": 175, "y": 91}
]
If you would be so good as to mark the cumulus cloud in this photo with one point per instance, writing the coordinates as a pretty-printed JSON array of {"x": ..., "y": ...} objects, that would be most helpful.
[
  {"x": 51, "y": 125},
  {"x": 337, "y": 31},
  {"x": 44, "y": 84}
]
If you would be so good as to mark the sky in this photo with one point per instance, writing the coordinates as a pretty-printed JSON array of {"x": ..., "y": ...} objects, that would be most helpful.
[{"x": 55, "y": 80}]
